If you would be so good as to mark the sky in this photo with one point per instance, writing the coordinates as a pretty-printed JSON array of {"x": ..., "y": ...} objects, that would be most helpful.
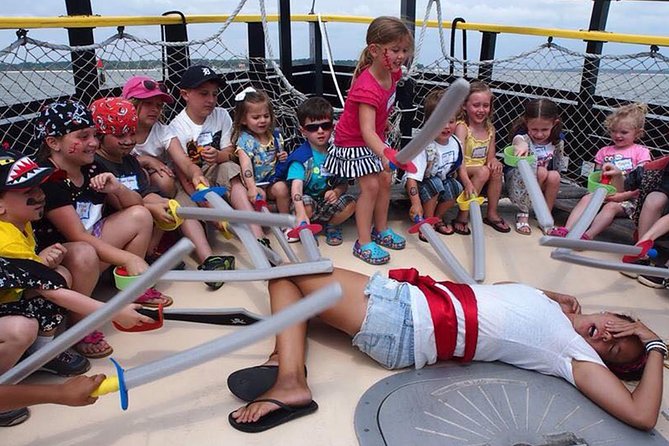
[{"x": 348, "y": 39}]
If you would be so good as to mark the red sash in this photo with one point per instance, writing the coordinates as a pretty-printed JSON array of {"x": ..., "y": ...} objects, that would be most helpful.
[{"x": 443, "y": 313}]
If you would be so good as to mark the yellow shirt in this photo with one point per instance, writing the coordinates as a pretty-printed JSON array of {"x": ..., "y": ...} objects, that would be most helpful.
[
  {"x": 476, "y": 150},
  {"x": 16, "y": 244}
]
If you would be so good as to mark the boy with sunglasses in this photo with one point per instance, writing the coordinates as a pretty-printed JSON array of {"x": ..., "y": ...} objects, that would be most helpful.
[{"x": 314, "y": 194}]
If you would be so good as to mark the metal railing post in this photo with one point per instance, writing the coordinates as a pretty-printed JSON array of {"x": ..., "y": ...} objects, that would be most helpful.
[
  {"x": 84, "y": 68},
  {"x": 405, "y": 89},
  {"x": 598, "y": 18},
  {"x": 285, "y": 49},
  {"x": 256, "y": 42},
  {"x": 488, "y": 42},
  {"x": 316, "y": 56},
  {"x": 177, "y": 59}
]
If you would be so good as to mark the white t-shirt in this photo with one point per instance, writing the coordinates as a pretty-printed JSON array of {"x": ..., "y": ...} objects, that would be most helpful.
[
  {"x": 518, "y": 325},
  {"x": 215, "y": 131},
  {"x": 156, "y": 143},
  {"x": 445, "y": 157}
]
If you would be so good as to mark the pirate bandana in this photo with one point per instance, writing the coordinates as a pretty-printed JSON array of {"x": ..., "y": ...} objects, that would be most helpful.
[
  {"x": 114, "y": 116},
  {"x": 61, "y": 118}
]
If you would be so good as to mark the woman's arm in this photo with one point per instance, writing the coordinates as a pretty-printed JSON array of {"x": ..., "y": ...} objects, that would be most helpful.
[{"x": 639, "y": 407}]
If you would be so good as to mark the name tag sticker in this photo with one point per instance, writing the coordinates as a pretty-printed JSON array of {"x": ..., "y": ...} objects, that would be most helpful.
[{"x": 480, "y": 152}]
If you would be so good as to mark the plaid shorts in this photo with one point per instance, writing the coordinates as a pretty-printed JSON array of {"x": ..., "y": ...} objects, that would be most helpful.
[
  {"x": 447, "y": 189},
  {"x": 48, "y": 314},
  {"x": 322, "y": 210}
]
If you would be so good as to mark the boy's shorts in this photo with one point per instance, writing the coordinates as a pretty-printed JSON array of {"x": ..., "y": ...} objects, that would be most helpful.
[
  {"x": 387, "y": 333},
  {"x": 447, "y": 189},
  {"x": 217, "y": 175},
  {"x": 47, "y": 314},
  {"x": 322, "y": 210}
]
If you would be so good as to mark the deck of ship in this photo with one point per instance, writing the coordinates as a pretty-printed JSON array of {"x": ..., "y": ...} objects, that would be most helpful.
[{"x": 192, "y": 407}]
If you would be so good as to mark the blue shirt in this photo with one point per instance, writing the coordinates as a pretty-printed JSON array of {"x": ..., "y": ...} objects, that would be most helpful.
[{"x": 317, "y": 184}]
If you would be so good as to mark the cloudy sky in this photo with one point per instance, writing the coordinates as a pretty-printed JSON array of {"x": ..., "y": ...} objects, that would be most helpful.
[{"x": 347, "y": 40}]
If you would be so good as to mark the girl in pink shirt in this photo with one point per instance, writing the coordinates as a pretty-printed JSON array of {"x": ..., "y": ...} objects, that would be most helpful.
[
  {"x": 625, "y": 126},
  {"x": 360, "y": 136}
]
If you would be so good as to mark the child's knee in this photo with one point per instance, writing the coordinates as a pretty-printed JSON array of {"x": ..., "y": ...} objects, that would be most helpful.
[
  {"x": 82, "y": 254},
  {"x": 19, "y": 331},
  {"x": 553, "y": 177},
  {"x": 655, "y": 201},
  {"x": 65, "y": 273},
  {"x": 140, "y": 216},
  {"x": 370, "y": 185},
  {"x": 280, "y": 189}
]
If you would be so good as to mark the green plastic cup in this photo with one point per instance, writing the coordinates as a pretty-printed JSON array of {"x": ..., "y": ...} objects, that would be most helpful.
[
  {"x": 511, "y": 160},
  {"x": 121, "y": 278},
  {"x": 594, "y": 183}
]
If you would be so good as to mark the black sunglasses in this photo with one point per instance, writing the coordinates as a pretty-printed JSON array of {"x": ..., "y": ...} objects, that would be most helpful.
[
  {"x": 152, "y": 85},
  {"x": 327, "y": 125}
]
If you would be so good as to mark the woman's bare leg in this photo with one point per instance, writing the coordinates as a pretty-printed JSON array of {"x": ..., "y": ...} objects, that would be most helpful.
[{"x": 347, "y": 315}]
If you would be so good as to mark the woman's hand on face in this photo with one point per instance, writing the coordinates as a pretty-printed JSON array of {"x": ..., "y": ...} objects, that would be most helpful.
[{"x": 620, "y": 328}]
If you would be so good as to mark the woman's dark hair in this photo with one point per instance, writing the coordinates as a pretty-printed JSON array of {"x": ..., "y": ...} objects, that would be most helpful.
[
  {"x": 539, "y": 109},
  {"x": 632, "y": 370}
]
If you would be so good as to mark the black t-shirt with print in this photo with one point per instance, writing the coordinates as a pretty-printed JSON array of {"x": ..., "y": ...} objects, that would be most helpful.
[{"x": 88, "y": 203}]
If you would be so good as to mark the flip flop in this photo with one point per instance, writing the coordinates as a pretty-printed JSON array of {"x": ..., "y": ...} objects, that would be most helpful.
[
  {"x": 441, "y": 226},
  {"x": 249, "y": 383},
  {"x": 283, "y": 414},
  {"x": 456, "y": 222},
  {"x": 497, "y": 225}
]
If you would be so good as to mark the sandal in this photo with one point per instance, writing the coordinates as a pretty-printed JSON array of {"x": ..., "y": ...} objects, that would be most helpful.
[
  {"x": 388, "y": 239},
  {"x": 458, "y": 225},
  {"x": 443, "y": 228},
  {"x": 153, "y": 298},
  {"x": 333, "y": 235},
  {"x": 522, "y": 224},
  {"x": 558, "y": 231},
  {"x": 86, "y": 347},
  {"x": 498, "y": 225},
  {"x": 371, "y": 253}
]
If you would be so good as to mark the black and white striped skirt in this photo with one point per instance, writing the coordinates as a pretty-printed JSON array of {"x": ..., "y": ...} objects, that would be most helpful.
[{"x": 352, "y": 162}]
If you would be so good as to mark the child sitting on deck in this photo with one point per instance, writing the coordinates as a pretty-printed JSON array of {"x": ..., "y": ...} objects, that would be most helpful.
[
  {"x": 259, "y": 147},
  {"x": 314, "y": 197},
  {"x": 475, "y": 130},
  {"x": 537, "y": 133},
  {"x": 76, "y": 199},
  {"x": 435, "y": 186},
  {"x": 625, "y": 125},
  {"x": 115, "y": 119},
  {"x": 35, "y": 293},
  {"x": 204, "y": 131}
]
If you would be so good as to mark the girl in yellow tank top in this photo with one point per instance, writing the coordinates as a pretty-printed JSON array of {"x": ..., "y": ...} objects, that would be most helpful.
[{"x": 477, "y": 133}]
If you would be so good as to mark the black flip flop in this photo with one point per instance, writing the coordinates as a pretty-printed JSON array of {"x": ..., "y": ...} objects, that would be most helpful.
[
  {"x": 283, "y": 414},
  {"x": 249, "y": 383},
  {"x": 497, "y": 225}
]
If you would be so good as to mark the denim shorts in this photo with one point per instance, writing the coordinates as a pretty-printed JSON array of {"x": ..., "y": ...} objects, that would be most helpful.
[
  {"x": 447, "y": 189},
  {"x": 387, "y": 334}
]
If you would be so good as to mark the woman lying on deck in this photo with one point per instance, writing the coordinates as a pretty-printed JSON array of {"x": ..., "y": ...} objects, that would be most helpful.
[{"x": 411, "y": 320}]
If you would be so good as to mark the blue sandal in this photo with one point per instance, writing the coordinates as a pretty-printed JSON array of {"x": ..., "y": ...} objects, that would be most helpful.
[
  {"x": 371, "y": 253},
  {"x": 389, "y": 239},
  {"x": 333, "y": 235}
]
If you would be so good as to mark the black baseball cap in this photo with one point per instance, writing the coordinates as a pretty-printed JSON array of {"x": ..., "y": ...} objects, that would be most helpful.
[
  {"x": 197, "y": 75},
  {"x": 18, "y": 171}
]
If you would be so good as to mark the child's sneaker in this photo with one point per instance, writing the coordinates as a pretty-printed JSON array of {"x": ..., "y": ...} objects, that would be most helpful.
[
  {"x": 653, "y": 281},
  {"x": 644, "y": 262},
  {"x": 389, "y": 239},
  {"x": 333, "y": 235},
  {"x": 371, "y": 253},
  {"x": 67, "y": 363},
  {"x": 14, "y": 417},
  {"x": 289, "y": 238},
  {"x": 217, "y": 263}
]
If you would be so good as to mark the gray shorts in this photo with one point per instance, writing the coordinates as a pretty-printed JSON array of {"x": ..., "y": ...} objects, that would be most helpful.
[{"x": 387, "y": 333}]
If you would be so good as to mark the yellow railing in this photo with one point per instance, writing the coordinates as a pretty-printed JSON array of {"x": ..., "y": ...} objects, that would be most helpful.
[{"x": 114, "y": 21}]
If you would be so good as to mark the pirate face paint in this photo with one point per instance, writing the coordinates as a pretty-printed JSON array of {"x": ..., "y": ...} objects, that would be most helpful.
[
  {"x": 79, "y": 146},
  {"x": 22, "y": 205}
]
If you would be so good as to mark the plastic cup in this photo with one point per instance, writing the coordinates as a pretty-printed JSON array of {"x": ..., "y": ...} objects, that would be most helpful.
[{"x": 511, "y": 160}]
